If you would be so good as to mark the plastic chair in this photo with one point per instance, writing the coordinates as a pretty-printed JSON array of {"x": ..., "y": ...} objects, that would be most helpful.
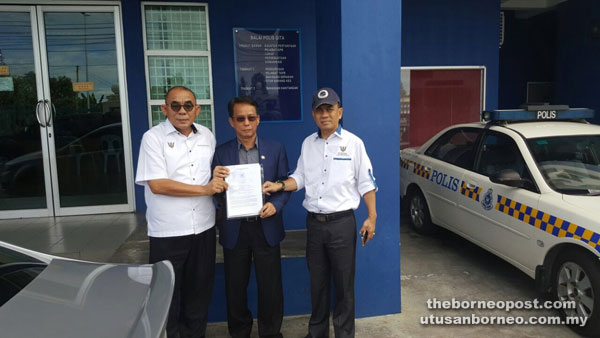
[{"x": 112, "y": 146}]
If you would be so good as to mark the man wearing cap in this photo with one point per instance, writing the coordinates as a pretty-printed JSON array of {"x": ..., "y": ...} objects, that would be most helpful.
[
  {"x": 335, "y": 171},
  {"x": 252, "y": 238}
]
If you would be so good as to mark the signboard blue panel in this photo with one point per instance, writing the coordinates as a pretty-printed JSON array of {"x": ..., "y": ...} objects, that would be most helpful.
[{"x": 267, "y": 68}]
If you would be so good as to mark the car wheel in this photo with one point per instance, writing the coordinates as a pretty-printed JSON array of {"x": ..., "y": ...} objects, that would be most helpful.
[
  {"x": 419, "y": 214},
  {"x": 576, "y": 278}
]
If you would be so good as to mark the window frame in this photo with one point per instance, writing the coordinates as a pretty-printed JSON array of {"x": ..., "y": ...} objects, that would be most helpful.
[
  {"x": 474, "y": 146},
  {"x": 479, "y": 153},
  {"x": 405, "y": 100},
  {"x": 537, "y": 164},
  {"x": 177, "y": 53}
]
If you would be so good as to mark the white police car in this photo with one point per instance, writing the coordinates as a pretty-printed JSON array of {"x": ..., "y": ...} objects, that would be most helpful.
[{"x": 526, "y": 187}]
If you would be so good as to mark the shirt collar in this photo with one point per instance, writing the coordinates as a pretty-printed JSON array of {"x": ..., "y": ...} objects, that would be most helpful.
[
  {"x": 169, "y": 128},
  {"x": 337, "y": 132},
  {"x": 240, "y": 145}
]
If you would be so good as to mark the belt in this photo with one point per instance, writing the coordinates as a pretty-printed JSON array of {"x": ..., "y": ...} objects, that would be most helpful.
[
  {"x": 250, "y": 219},
  {"x": 330, "y": 217}
]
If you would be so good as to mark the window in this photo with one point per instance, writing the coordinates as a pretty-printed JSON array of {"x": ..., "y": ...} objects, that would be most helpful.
[
  {"x": 433, "y": 98},
  {"x": 177, "y": 53},
  {"x": 456, "y": 146},
  {"x": 569, "y": 164},
  {"x": 500, "y": 152},
  {"x": 17, "y": 270}
]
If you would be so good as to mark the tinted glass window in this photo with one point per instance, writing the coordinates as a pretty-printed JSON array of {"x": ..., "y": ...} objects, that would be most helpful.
[
  {"x": 500, "y": 152},
  {"x": 15, "y": 277},
  {"x": 8, "y": 256},
  {"x": 16, "y": 271},
  {"x": 570, "y": 164},
  {"x": 456, "y": 146}
]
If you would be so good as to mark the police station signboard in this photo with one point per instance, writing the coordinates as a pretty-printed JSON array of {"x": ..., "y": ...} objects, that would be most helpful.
[{"x": 267, "y": 68}]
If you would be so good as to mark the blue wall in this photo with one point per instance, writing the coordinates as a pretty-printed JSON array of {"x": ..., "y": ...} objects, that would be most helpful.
[
  {"x": 360, "y": 61},
  {"x": 578, "y": 55},
  {"x": 527, "y": 55},
  {"x": 371, "y": 96},
  {"x": 329, "y": 49},
  {"x": 453, "y": 33},
  {"x": 136, "y": 84},
  {"x": 553, "y": 46},
  {"x": 256, "y": 14},
  {"x": 265, "y": 14}
]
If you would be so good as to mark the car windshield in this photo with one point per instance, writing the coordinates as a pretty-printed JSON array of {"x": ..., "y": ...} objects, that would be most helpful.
[
  {"x": 16, "y": 272},
  {"x": 570, "y": 164}
]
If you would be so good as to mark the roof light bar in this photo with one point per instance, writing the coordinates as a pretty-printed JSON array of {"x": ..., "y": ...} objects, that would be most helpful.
[{"x": 537, "y": 113}]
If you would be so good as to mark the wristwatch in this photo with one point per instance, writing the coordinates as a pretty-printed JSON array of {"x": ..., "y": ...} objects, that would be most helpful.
[{"x": 282, "y": 185}]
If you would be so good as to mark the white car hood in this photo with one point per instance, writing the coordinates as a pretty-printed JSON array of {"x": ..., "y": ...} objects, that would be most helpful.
[
  {"x": 587, "y": 205},
  {"x": 408, "y": 151},
  {"x": 81, "y": 299}
]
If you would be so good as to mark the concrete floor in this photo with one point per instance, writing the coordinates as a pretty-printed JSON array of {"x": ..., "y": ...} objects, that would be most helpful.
[
  {"x": 446, "y": 266},
  {"x": 89, "y": 237},
  {"x": 443, "y": 267}
]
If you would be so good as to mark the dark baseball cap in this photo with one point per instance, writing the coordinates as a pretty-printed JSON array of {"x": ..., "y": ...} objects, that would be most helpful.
[{"x": 325, "y": 96}]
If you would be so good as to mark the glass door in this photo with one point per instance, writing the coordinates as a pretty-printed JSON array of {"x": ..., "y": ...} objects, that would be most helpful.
[
  {"x": 23, "y": 162},
  {"x": 84, "y": 162},
  {"x": 81, "y": 52}
]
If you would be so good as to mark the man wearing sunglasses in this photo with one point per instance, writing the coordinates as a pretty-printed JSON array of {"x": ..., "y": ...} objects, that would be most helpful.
[
  {"x": 252, "y": 238},
  {"x": 174, "y": 167}
]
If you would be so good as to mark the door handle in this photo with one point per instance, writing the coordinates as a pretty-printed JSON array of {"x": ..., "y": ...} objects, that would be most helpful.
[
  {"x": 52, "y": 114},
  {"x": 37, "y": 112},
  {"x": 471, "y": 186},
  {"x": 47, "y": 112}
]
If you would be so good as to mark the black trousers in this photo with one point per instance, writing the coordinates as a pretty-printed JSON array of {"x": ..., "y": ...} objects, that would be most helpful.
[
  {"x": 330, "y": 254},
  {"x": 252, "y": 245},
  {"x": 193, "y": 259}
]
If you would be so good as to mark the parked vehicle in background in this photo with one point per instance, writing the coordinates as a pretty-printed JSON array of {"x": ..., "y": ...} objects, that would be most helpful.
[{"x": 525, "y": 186}]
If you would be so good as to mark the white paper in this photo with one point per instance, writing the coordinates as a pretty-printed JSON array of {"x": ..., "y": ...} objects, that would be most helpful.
[{"x": 244, "y": 195}]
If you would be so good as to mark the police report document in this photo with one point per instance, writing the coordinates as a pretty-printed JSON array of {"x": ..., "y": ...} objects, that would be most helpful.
[{"x": 244, "y": 196}]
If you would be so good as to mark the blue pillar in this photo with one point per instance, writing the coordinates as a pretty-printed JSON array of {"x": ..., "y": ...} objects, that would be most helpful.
[
  {"x": 136, "y": 85},
  {"x": 370, "y": 59}
]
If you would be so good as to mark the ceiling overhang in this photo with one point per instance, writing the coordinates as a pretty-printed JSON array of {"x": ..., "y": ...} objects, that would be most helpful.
[{"x": 529, "y": 4}]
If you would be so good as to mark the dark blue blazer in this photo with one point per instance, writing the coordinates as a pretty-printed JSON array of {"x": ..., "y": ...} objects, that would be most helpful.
[{"x": 274, "y": 161}]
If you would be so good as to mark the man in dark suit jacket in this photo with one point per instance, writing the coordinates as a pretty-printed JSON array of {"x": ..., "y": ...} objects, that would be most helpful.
[{"x": 252, "y": 238}]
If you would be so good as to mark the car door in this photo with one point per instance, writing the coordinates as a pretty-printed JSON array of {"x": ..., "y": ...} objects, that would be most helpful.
[
  {"x": 498, "y": 213},
  {"x": 444, "y": 164}
]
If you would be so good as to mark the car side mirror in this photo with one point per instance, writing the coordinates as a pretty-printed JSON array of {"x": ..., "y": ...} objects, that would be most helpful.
[{"x": 508, "y": 177}]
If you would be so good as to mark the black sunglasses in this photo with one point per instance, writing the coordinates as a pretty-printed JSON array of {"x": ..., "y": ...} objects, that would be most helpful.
[
  {"x": 250, "y": 118},
  {"x": 188, "y": 106}
]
